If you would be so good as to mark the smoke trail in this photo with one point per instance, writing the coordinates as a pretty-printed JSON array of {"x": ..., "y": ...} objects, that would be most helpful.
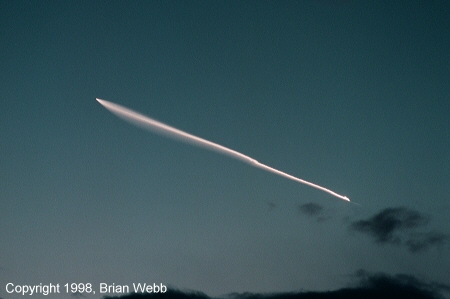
[{"x": 163, "y": 129}]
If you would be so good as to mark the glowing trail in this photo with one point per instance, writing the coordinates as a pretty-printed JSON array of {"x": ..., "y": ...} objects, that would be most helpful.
[{"x": 160, "y": 128}]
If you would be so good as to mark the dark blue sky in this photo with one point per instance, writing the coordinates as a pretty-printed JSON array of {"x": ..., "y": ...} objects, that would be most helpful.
[{"x": 351, "y": 95}]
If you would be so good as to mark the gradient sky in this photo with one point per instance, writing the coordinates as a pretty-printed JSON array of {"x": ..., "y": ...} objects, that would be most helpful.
[{"x": 351, "y": 95}]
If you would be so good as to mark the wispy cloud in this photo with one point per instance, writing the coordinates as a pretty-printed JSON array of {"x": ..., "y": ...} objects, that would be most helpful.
[
  {"x": 313, "y": 210},
  {"x": 310, "y": 209},
  {"x": 368, "y": 286},
  {"x": 398, "y": 226},
  {"x": 422, "y": 241}
]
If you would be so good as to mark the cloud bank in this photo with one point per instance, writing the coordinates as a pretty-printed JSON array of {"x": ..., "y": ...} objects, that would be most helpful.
[{"x": 369, "y": 286}]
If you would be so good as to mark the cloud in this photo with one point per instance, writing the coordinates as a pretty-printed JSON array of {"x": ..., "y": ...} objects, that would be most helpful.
[
  {"x": 310, "y": 209},
  {"x": 422, "y": 241},
  {"x": 384, "y": 225},
  {"x": 399, "y": 286},
  {"x": 368, "y": 286},
  {"x": 397, "y": 226},
  {"x": 313, "y": 210}
]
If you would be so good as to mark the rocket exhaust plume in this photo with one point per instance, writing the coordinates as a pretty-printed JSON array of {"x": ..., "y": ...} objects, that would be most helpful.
[{"x": 163, "y": 129}]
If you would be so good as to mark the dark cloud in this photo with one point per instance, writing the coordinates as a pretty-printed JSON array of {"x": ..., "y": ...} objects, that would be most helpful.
[
  {"x": 399, "y": 286},
  {"x": 397, "y": 226},
  {"x": 422, "y": 241},
  {"x": 368, "y": 286},
  {"x": 313, "y": 210},
  {"x": 310, "y": 209},
  {"x": 384, "y": 225}
]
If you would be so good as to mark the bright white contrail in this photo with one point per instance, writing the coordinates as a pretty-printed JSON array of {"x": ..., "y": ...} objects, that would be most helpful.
[{"x": 158, "y": 127}]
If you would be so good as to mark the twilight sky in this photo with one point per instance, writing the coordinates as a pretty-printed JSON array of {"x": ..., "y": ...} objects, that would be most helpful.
[{"x": 350, "y": 95}]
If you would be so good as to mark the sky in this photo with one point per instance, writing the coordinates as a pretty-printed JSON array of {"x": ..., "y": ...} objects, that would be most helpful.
[{"x": 350, "y": 95}]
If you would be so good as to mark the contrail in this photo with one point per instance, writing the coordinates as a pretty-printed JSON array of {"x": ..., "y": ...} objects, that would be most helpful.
[{"x": 160, "y": 128}]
